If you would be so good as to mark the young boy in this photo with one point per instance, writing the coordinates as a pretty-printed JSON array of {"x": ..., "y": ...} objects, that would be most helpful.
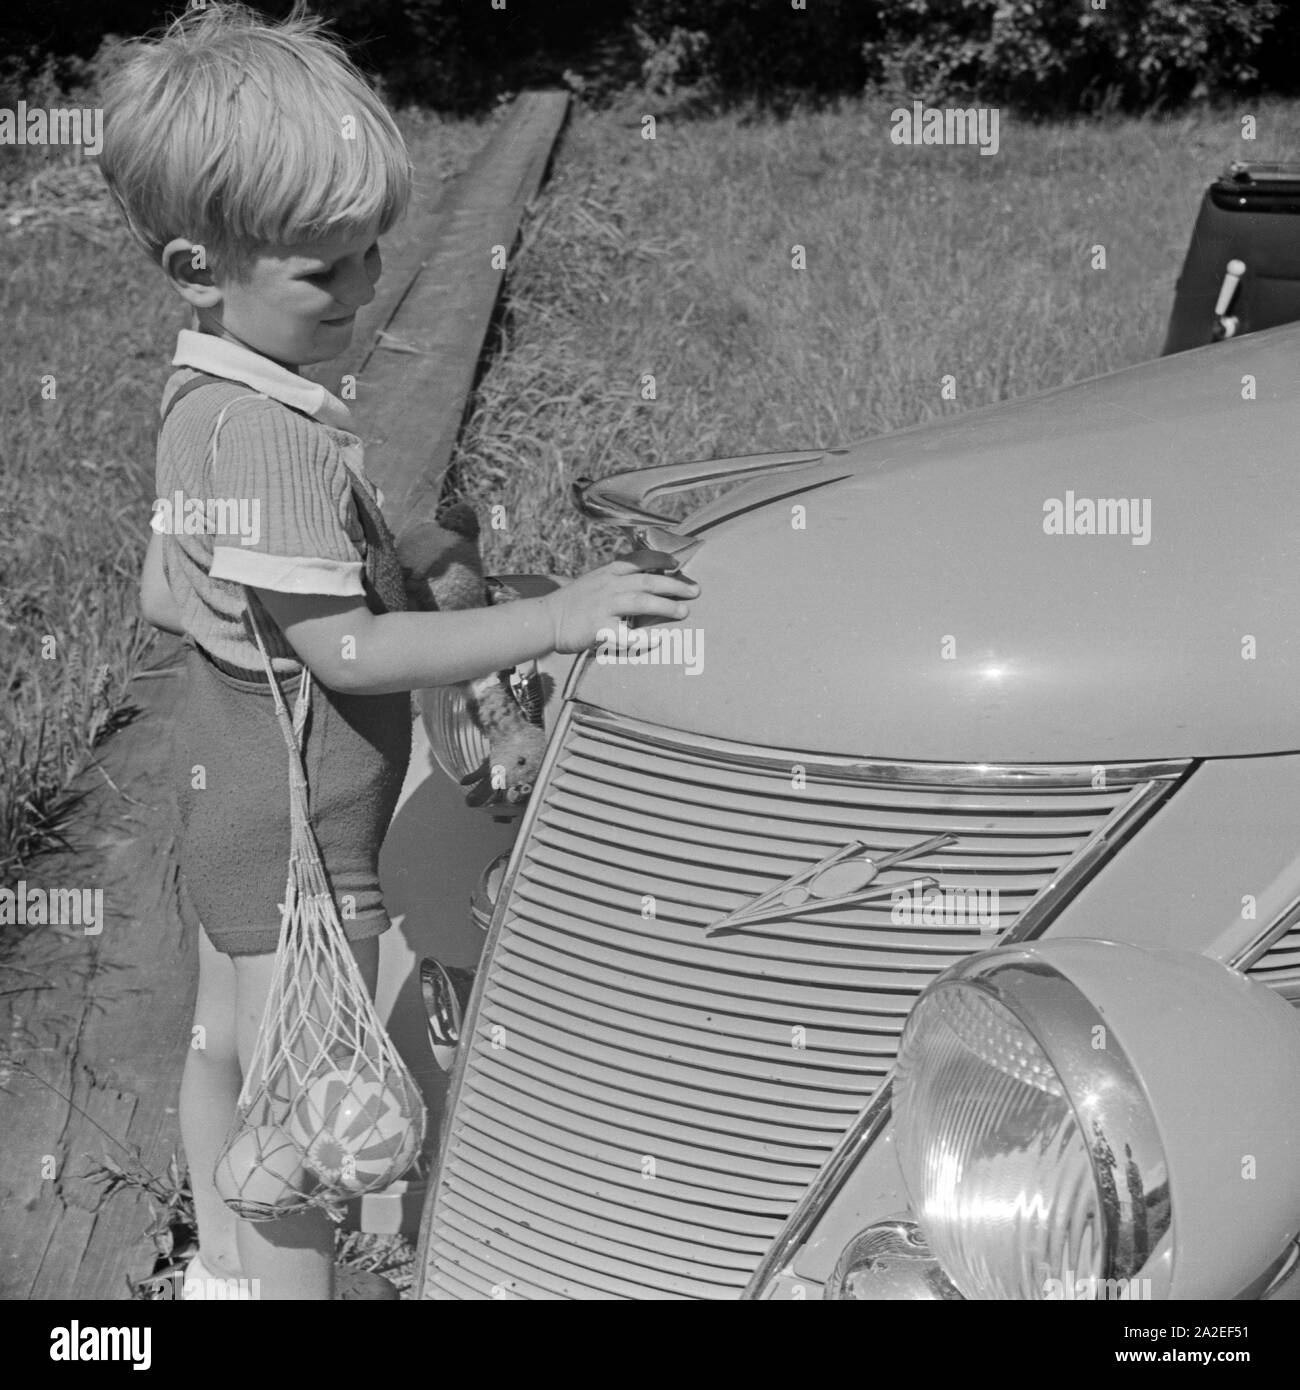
[{"x": 257, "y": 168}]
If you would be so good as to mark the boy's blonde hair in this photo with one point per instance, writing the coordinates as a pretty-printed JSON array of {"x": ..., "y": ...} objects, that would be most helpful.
[{"x": 235, "y": 133}]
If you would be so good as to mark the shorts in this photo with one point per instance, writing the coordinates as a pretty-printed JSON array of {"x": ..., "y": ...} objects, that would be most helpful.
[{"x": 234, "y": 826}]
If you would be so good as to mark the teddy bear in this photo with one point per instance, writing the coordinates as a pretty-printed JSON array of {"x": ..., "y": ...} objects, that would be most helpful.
[{"x": 443, "y": 571}]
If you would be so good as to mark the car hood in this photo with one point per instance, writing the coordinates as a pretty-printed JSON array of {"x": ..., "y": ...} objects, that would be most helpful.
[{"x": 904, "y": 599}]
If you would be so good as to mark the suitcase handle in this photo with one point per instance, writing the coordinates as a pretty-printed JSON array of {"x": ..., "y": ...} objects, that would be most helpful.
[
  {"x": 1226, "y": 324},
  {"x": 1256, "y": 175},
  {"x": 1236, "y": 269}
]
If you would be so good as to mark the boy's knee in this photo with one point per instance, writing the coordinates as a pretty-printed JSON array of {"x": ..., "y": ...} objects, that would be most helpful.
[{"x": 211, "y": 1049}]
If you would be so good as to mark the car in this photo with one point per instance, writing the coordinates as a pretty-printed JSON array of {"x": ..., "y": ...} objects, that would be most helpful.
[{"x": 921, "y": 918}]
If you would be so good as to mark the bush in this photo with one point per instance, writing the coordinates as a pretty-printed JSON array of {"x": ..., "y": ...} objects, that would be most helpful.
[
  {"x": 1053, "y": 55},
  {"x": 1039, "y": 55},
  {"x": 462, "y": 54},
  {"x": 50, "y": 48},
  {"x": 755, "y": 47}
]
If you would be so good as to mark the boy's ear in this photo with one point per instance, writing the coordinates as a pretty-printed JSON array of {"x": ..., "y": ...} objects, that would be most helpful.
[{"x": 185, "y": 264}]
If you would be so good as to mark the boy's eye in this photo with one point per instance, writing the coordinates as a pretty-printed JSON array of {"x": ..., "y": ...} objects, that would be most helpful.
[{"x": 319, "y": 277}]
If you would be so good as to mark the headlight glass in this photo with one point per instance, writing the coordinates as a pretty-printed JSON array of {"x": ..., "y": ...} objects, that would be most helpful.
[
  {"x": 457, "y": 743},
  {"x": 992, "y": 1154}
]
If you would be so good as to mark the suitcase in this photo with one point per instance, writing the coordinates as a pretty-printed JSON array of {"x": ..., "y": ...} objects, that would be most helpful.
[{"x": 1242, "y": 271}]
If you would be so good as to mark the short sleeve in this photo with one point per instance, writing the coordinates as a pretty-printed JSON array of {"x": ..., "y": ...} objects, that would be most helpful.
[{"x": 282, "y": 478}]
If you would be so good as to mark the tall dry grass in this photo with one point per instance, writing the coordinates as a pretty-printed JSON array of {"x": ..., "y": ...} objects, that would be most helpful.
[{"x": 673, "y": 257}]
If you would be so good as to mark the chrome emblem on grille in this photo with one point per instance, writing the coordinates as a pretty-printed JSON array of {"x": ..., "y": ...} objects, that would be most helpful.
[{"x": 843, "y": 879}]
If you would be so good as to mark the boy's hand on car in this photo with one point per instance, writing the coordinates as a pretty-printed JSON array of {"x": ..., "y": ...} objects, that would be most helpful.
[{"x": 597, "y": 602}]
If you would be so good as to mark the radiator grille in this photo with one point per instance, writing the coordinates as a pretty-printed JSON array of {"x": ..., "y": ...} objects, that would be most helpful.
[
  {"x": 642, "y": 1105},
  {"x": 1279, "y": 966}
]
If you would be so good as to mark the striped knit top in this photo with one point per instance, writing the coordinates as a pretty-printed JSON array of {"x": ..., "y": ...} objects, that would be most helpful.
[{"x": 259, "y": 487}]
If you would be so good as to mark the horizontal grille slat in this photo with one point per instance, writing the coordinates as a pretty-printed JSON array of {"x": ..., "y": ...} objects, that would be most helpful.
[
  {"x": 691, "y": 1071},
  {"x": 730, "y": 1016},
  {"x": 638, "y": 1245},
  {"x": 712, "y": 778},
  {"x": 641, "y": 1131},
  {"x": 448, "y": 1287},
  {"x": 805, "y": 938},
  {"x": 739, "y": 1130},
  {"x": 674, "y": 1167},
  {"x": 1277, "y": 961},
  {"x": 754, "y": 960},
  {"x": 768, "y": 1041},
  {"x": 1279, "y": 966},
  {"x": 691, "y": 1207},
  {"x": 804, "y": 950},
  {"x": 672, "y": 1269},
  {"x": 601, "y": 1275},
  {"x": 712, "y": 886},
  {"x": 469, "y": 1257},
  {"x": 787, "y": 834},
  {"x": 776, "y": 1061},
  {"x": 540, "y": 1190},
  {"x": 612, "y": 1032},
  {"x": 559, "y": 1277}
]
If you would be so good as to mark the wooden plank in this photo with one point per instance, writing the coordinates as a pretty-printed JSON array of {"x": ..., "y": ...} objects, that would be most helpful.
[
  {"x": 406, "y": 250},
  {"x": 111, "y": 1035},
  {"x": 410, "y": 403}
]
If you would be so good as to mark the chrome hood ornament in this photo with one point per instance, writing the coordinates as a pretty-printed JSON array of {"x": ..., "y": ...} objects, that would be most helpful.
[
  {"x": 620, "y": 499},
  {"x": 843, "y": 879}
]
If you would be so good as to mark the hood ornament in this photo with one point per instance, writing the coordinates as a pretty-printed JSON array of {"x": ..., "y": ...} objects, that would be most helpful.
[
  {"x": 842, "y": 879},
  {"x": 620, "y": 499}
]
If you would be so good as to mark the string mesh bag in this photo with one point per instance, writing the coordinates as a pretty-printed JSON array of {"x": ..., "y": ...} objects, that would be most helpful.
[{"x": 328, "y": 1109}]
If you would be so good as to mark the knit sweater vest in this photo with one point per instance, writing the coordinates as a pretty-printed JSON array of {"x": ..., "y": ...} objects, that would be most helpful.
[{"x": 382, "y": 579}]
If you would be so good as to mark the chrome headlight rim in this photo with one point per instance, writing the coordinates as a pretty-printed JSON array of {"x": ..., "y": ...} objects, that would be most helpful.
[
  {"x": 454, "y": 738},
  {"x": 896, "y": 1261},
  {"x": 1111, "y": 1107},
  {"x": 487, "y": 891}
]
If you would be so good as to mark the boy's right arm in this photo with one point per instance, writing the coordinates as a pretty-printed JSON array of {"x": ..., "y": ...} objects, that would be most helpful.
[{"x": 354, "y": 651}]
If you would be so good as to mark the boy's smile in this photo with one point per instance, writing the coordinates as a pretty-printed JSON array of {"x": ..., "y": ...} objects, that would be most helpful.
[{"x": 296, "y": 303}]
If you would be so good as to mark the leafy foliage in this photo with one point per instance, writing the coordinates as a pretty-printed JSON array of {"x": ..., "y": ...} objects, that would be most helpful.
[
  {"x": 1040, "y": 55},
  {"x": 465, "y": 54},
  {"x": 1052, "y": 55},
  {"x": 756, "y": 47}
]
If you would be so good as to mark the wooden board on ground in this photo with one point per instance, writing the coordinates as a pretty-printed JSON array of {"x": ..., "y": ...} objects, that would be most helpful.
[
  {"x": 414, "y": 375},
  {"x": 99, "y": 1041},
  {"x": 100, "y": 1049}
]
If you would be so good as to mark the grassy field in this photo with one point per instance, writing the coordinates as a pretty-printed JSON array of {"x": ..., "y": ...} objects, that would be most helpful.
[
  {"x": 673, "y": 257},
  {"x": 669, "y": 257}
]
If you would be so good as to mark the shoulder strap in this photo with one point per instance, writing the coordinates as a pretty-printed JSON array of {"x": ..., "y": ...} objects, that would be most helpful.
[
  {"x": 203, "y": 379},
  {"x": 385, "y": 591}
]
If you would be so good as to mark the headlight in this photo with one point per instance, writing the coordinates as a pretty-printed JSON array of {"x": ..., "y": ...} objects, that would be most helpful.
[
  {"x": 1082, "y": 1119},
  {"x": 455, "y": 739},
  {"x": 889, "y": 1261},
  {"x": 458, "y": 745},
  {"x": 998, "y": 1167}
]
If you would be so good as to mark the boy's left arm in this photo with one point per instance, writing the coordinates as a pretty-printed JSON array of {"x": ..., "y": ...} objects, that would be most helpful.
[{"x": 156, "y": 601}]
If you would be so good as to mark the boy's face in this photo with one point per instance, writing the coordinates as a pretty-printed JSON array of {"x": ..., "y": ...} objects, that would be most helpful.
[{"x": 297, "y": 304}]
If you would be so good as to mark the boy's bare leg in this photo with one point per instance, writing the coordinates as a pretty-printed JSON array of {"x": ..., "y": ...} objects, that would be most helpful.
[{"x": 209, "y": 1091}]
